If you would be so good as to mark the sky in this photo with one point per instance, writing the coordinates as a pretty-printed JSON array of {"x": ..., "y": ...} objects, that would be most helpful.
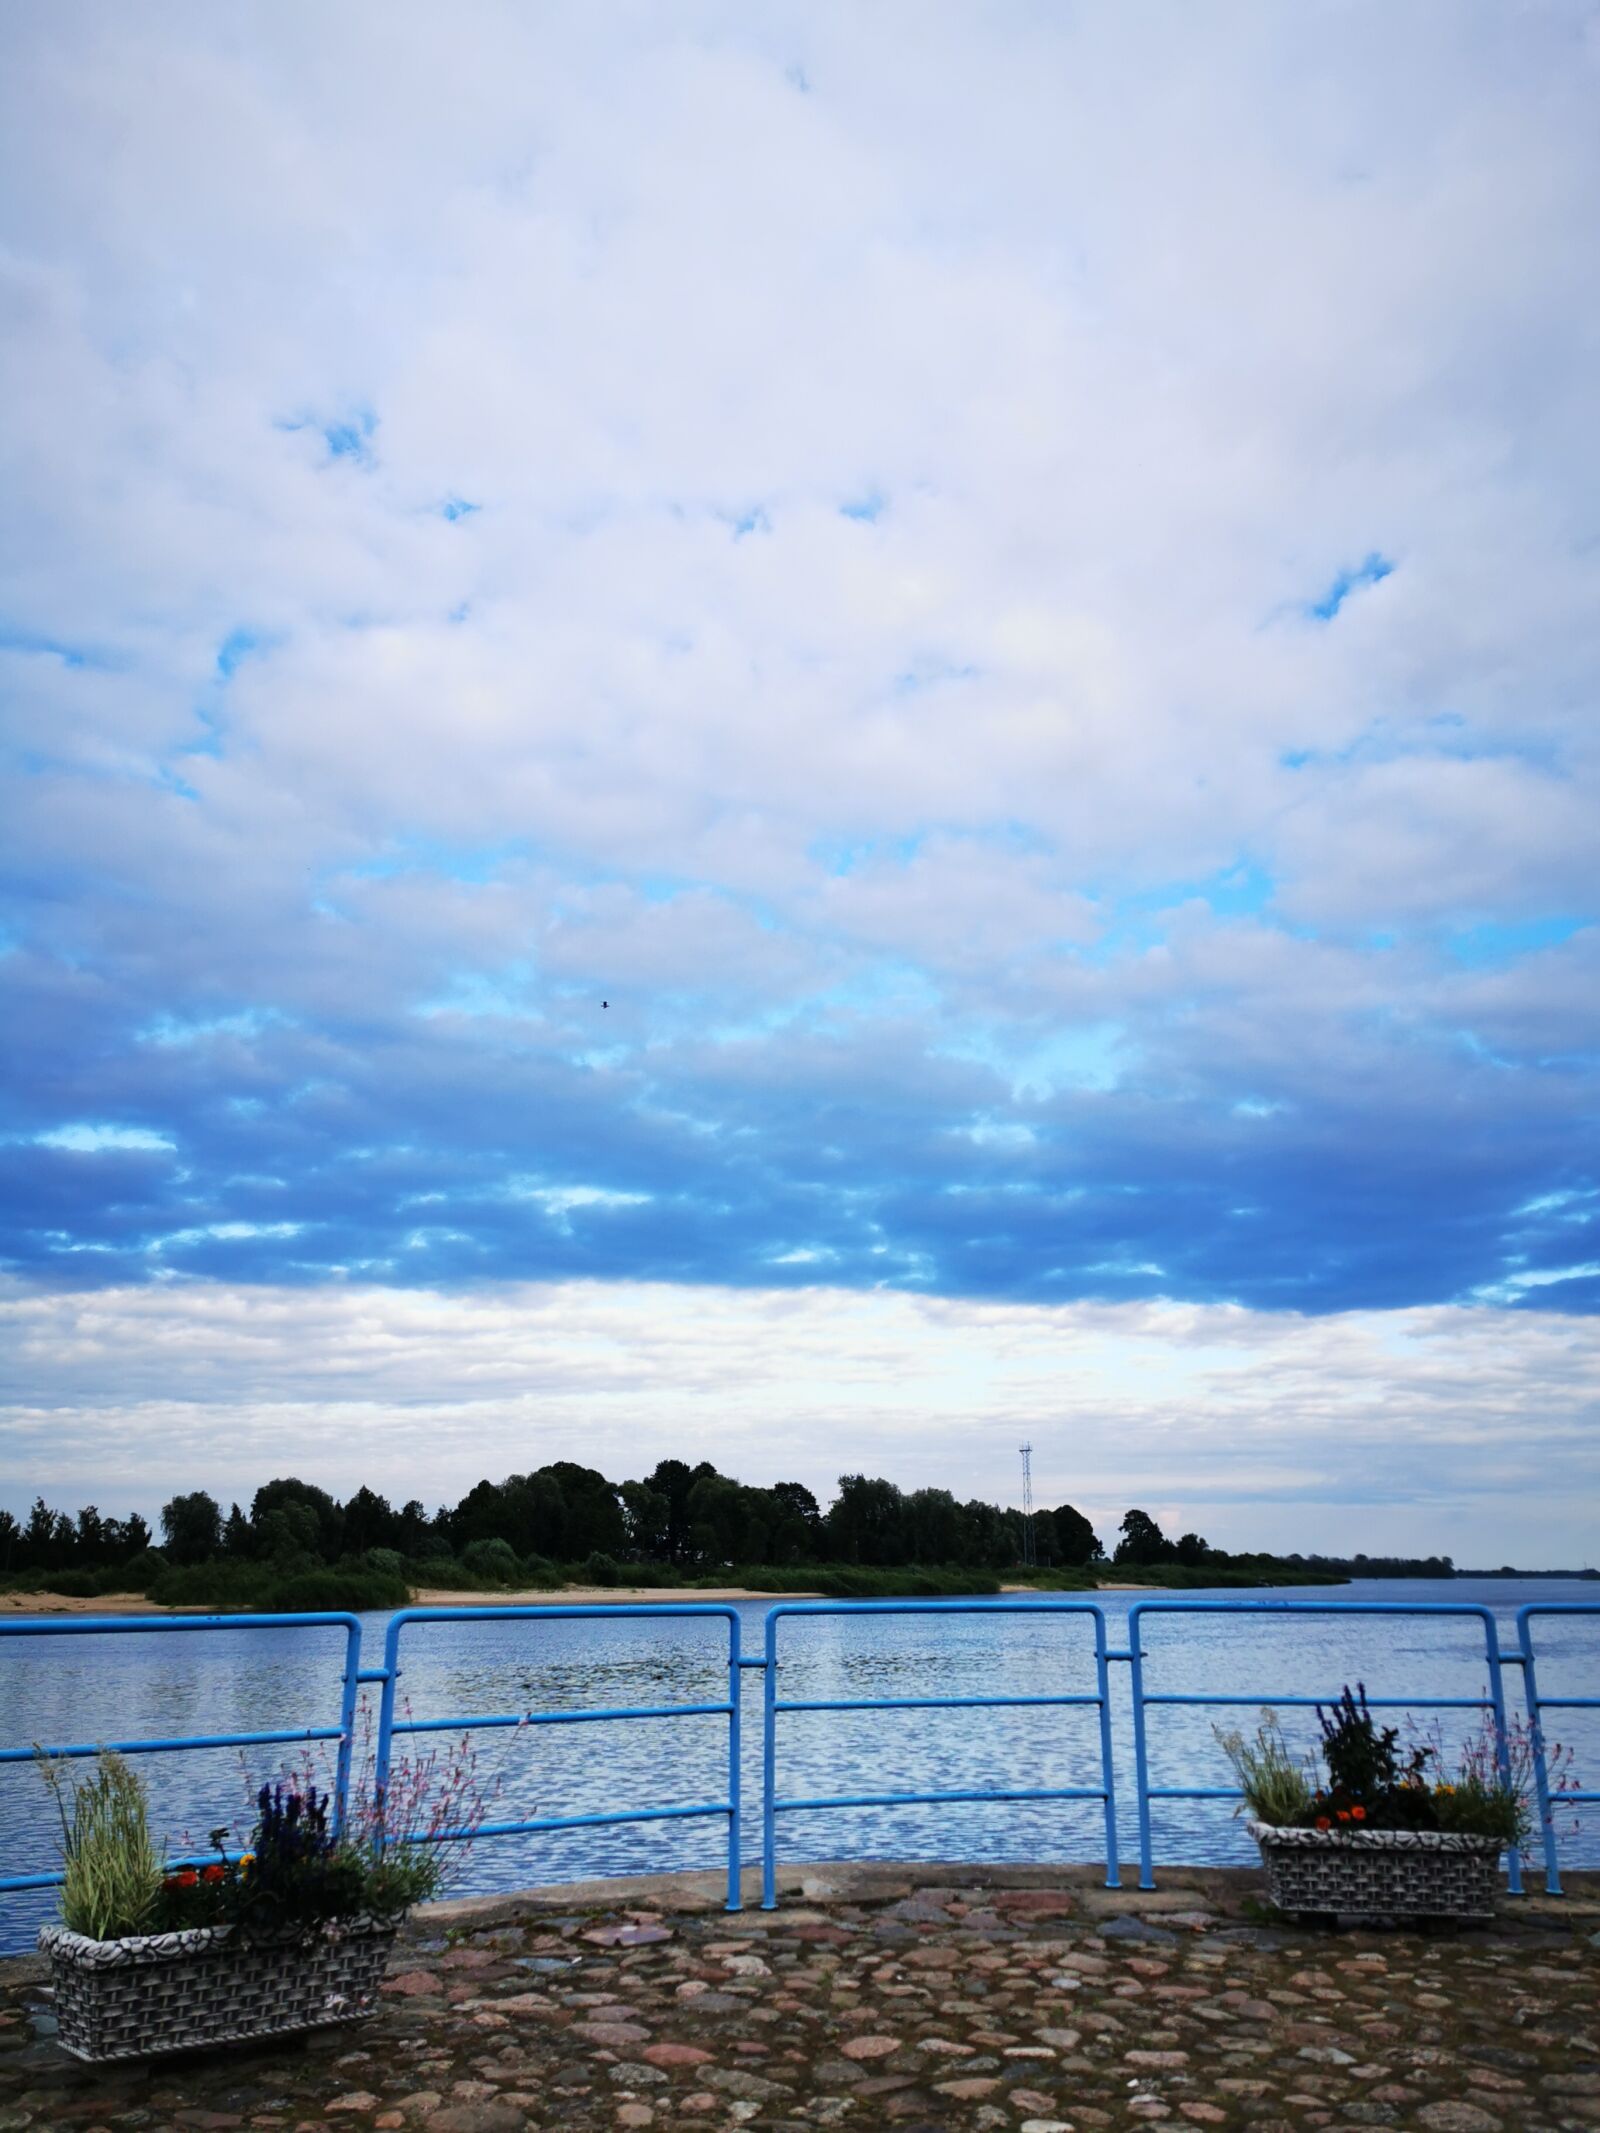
[{"x": 811, "y": 734}]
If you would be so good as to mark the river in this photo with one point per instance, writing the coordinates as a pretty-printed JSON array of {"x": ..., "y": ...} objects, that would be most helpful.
[{"x": 85, "y": 1688}]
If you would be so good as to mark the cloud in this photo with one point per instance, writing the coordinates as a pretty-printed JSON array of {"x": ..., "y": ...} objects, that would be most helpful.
[
  {"x": 1435, "y": 1428},
  {"x": 861, "y": 541}
]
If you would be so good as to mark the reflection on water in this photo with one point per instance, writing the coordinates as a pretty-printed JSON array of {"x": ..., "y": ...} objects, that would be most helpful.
[{"x": 81, "y": 1688}]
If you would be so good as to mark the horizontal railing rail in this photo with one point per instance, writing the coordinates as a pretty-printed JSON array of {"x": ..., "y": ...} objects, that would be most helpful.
[
  {"x": 772, "y": 1805},
  {"x": 395, "y": 1722},
  {"x": 1144, "y": 1699},
  {"x": 179, "y": 1625},
  {"x": 390, "y": 1725}
]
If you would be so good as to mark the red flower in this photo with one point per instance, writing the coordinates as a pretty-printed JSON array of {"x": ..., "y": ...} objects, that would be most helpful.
[
  {"x": 1344, "y": 1814},
  {"x": 1323, "y": 1822},
  {"x": 214, "y": 1873},
  {"x": 1360, "y": 1813}
]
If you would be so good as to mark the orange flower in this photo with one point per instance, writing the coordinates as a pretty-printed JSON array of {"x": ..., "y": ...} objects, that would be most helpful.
[
  {"x": 1323, "y": 1822},
  {"x": 1360, "y": 1813},
  {"x": 1344, "y": 1814}
]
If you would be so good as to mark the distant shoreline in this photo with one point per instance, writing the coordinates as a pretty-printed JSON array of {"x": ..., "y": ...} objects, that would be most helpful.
[{"x": 136, "y": 1603}]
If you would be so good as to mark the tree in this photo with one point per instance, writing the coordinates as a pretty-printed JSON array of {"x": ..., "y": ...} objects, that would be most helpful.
[
  {"x": 1193, "y": 1550},
  {"x": 368, "y": 1523},
  {"x": 933, "y": 1521},
  {"x": 867, "y": 1522},
  {"x": 90, "y": 1541},
  {"x": 411, "y": 1536},
  {"x": 1076, "y": 1541},
  {"x": 328, "y": 1536},
  {"x": 648, "y": 1516},
  {"x": 192, "y": 1527},
  {"x": 673, "y": 1479},
  {"x": 796, "y": 1523},
  {"x": 1142, "y": 1540}
]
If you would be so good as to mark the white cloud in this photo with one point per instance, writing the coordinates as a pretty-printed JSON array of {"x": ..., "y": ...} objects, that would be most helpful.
[{"x": 1462, "y": 1431}]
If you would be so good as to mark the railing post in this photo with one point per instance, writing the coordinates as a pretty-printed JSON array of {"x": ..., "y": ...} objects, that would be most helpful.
[
  {"x": 1141, "y": 1754},
  {"x": 1502, "y": 1743},
  {"x": 735, "y": 1767},
  {"x": 385, "y": 1747},
  {"x": 347, "y": 1725},
  {"x": 1541, "y": 1773},
  {"x": 769, "y": 1765},
  {"x": 1107, "y": 1771}
]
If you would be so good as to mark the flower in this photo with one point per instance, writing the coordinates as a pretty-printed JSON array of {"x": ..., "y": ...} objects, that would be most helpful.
[
  {"x": 1323, "y": 1822},
  {"x": 1359, "y": 1813},
  {"x": 1344, "y": 1814},
  {"x": 214, "y": 1873}
]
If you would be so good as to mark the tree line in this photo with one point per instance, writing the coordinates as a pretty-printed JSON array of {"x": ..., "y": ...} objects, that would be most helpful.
[{"x": 691, "y": 1519}]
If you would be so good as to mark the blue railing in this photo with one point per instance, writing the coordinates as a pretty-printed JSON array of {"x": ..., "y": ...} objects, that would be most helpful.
[
  {"x": 772, "y": 1805},
  {"x": 1538, "y": 1704},
  {"x": 394, "y": 1719},
  {"x": 1144, "y": 1699},
  {"x": 144, "y": 1625},
  {"x": 389, "y": 1725}
]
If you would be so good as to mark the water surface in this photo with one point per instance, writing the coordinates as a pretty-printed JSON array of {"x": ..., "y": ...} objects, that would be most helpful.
[{"x": 86, "y": 1688}]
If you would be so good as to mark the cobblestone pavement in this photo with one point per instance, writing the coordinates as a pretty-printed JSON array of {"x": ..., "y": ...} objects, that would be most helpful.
[{"x": 1022, "y": 2002}]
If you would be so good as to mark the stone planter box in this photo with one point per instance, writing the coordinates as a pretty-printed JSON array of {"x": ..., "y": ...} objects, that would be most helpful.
[
  {"x": 176, "y": 1992},
  {"x": 1380, "y": 1873}
]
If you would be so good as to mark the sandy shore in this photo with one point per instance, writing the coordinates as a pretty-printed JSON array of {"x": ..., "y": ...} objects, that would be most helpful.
[{"x": 135, "y": 1603}]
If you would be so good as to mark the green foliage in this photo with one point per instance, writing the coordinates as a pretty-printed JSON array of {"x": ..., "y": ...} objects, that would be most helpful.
[
  {"x": 1478, "y": 1806},
  {"x": 440, "y": 1571},
  {"x": 70, "y": 1584},
  {"x": 280, "y": 1589},
  {"x": 540, "y": 1573},
  {"x": 1362, "y": 1758},
  {"x": 1276, "y": 1788},
  {"x": 298, "y": 1871},
  {"x": 192, "y": 1527},
  {"x": 113, "y": 1870},
  {"x": 854, "y": 1582},
  {"x": 1361, "y": 1778},
  {"x": 495, "y": 1560},
  {"x": 599, "y": 1569}
]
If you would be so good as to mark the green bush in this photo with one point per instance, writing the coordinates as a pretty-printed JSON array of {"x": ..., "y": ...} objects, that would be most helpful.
[
  {"x": 658, "y": 1577},
  {"x": 494, "y": 1560},
  {"x": 270, "y": 1589},
  {"x": 345, "y": 1589},
  {"x": 71, "y": 1584},
  {"x": 600, "y": 1569},
  {"x": 539, "y": 1572},
  {"x": 140, "y": 1571},
  {"x": 439, "y": 1570},
  {"x": 388, "y": 1562}
]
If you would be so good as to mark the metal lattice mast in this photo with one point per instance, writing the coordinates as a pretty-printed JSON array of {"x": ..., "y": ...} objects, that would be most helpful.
[{"x": 1029, "y": 1556}]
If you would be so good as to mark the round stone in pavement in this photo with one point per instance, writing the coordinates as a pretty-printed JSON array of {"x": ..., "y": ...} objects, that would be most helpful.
[{"x": 477, "y": 2118}]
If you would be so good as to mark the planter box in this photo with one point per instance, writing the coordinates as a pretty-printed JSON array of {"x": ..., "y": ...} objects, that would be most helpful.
[
  {"x": 1380, "y": 1873},
  {"x": 176, "y": 1992}
]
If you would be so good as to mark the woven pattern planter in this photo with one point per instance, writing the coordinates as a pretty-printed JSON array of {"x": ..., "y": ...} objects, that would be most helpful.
[
  {"x": 176, "y": 1992},
  {"x": 1379, "y": 1873}
]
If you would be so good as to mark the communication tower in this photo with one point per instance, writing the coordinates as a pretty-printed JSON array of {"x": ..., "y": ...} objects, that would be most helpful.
[{"x": 1029, "y": 1555}]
